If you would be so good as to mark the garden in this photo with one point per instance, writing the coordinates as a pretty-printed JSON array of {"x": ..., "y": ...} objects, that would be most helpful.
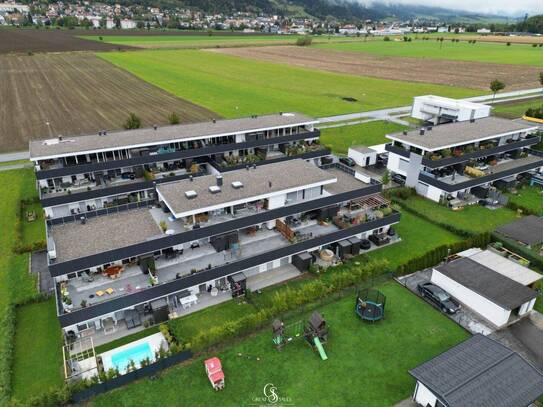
[{"x": 356, "y": 353}]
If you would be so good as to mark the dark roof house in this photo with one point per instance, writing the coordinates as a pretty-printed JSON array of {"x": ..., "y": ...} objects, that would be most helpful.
[
  {"x": 480, "y": 372},
  {"x": 528, "y": 230}
]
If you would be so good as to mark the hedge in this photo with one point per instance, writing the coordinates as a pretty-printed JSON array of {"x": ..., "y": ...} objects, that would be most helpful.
[
  {"x": 437, "y": 255},
  {"x": 509, "y": 244},
  {"x": 516, "y": 207}
]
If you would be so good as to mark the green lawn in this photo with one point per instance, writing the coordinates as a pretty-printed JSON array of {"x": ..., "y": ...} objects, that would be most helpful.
[
  {"x": 38, "y": 350},
  {"x": 371, "y": 358},
  {"x": 418, "y": 237},
  {"x": 34, "y": 231},
  {"x": 513, "y": 110},
  {"x": 462, "y": 51},
  {"x": 235, "y": 87},
  {"x": 529, "y": 197},
  {"x": 472, "y": 218},
  {"x": 367, "y": 134},
  {"x": 16, "y": 284}
]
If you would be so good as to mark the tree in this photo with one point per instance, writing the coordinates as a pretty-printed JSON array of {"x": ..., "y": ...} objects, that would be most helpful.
[
  {"x": 385, "y": 179},
  {"x": 173, "y": 118},
  {"x": 304, "y": 41},
  {"x": 495, "y": 86},
  {"x": 132, "y": 122}
]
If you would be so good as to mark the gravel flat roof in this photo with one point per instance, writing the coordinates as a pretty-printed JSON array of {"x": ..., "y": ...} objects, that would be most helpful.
[
  {"x": 481, "y": 372},
  {"x": 263, "y": 180},
  {"x": 150, "y": 136},
  {"x": 528, "y": 230},
  {"x": 74, "y": 240},
  {"x": 488, "y": 283},
  {"x": 459, "y": 133}
]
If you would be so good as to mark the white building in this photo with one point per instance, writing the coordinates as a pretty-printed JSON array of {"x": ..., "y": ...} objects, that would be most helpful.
[
  {"x": 127, "y": 24},
  {"x": 491, "y": 287},
  {"x": 438, "y": 109},
  {"x": 483, "y": 31}
]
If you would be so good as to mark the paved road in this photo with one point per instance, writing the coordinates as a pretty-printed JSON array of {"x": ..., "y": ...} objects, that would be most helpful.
[
  {"x": 21, "y": 155},
  {"x": 388, "y": 114}
]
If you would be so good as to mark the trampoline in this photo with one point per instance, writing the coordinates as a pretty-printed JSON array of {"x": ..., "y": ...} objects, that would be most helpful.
[{"x": 370, "y": 305}]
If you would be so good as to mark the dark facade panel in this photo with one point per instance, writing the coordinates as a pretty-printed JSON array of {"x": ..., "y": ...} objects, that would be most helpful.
[
  {"x": 178, "y": 155},
  {"x": 151, "y": 246},
  {"x": 218, "y": 272}
]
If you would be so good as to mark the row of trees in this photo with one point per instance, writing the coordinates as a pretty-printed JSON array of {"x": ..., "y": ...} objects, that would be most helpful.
[{"x": 496, "y": 85}]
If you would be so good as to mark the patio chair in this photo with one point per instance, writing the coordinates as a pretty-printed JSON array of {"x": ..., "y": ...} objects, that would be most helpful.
[{"x": 87, "y": 277}]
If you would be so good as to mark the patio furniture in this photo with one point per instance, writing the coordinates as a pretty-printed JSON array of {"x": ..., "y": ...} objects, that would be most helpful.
[
  {"x": 109, "y": 325},
  {"x": 99, "y": 293},
  {"x": 132, "y": 318},
  {"x": 214, "y": 291},
  {"x": 86, "y": 277},
  {"x": 187, "y": 302},
  {"x": 113, "y": 271},
  {"x": 109, "y": 290}
]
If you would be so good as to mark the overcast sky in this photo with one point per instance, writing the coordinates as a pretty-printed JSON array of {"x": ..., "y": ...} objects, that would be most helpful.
[{"x": 510, "y": 7}]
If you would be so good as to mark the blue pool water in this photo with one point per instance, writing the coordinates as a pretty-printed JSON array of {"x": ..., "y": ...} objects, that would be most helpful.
[{"x": 136, "y": 353}]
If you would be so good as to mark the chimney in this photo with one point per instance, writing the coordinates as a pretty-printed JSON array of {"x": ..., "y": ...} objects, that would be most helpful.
[
  {"x": 254, "y": 166},
  {"x": 83, "y": 220},
  {"x": 214, "y": 121},
  {"x": 405, "y": 132},
  {"x": 422, "y": 131},
  {"x": 104, "y": 132},
  {"x": 269, "y": 184},
  {"x": 191, "y": 178},
  {"x": 59, "y": 137},
  {"x": 472, "y": 120},
  {"x": 429, "y": 128},
  {"x": 219, "y": 180},
  {"x": 155, "y": 126},
  {"x": 247, "y": 167}
]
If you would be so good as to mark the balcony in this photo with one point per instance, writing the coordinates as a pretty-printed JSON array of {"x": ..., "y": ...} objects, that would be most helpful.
[
  {"x": 200, "y": 265},
  {"x": 482, "y": 175},
  {"x": 466, "y": 153},
  {"x": 206, "y": 150}
]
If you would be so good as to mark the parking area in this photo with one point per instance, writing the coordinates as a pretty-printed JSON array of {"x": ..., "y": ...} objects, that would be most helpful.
[{"x": 524, "y": 336}]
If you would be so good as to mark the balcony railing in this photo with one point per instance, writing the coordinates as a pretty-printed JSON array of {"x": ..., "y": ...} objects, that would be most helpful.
[
  {"x": 83, "y": 263},
  {"x": 177, "y": 155},
  {"x": 446, "y": 161},
  {"x": 215, "y": 273}
]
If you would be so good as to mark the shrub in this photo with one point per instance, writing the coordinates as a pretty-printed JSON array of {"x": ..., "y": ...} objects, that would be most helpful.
[
  {"x": 386, "y": 38},
  {"x": 173, "y": 118},
  {"x": 132, "y": 122},
  {"x": 304, "y": 41},
  {"x": 508, "y": 44}
]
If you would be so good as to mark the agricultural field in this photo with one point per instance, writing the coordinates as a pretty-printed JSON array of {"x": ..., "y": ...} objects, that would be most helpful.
[
  {"x": 358, "y": 357},
  {"x": 366, "y": 134},
  {"x": 77, "y": 94},
  {"x": 338, "y": 58},
  {"x": 518, "y": 54},
  {"x": 233, "y": 87},
  {"x": 25, "y": 40},
  {"x": 513, "y": 110}
]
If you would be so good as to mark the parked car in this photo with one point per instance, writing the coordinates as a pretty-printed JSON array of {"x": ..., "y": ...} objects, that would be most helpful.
[
  {"x": 439, "y": 297},
  {"x": 398, "y": 179},
  {"x": 348, "y": 161}
]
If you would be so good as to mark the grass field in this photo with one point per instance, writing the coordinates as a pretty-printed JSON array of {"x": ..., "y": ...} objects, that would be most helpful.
[
  {"x": 359, "y": 357},
  {"x": 474, "y": 218},
  {"x": 38, "y": 350},
  {"x": 16, "y": 284},
  {"x": 529, "y": 197},
  {"x": 461, "y": 51},
  {"x": 366, "y": 134},
  {"x": 77, "y": 94},
  {"x": 34, "y": 231},
  {"x": 513, "y": 110},
  {"x": 235, "y": 87},
  {"x": 418, "y": 237}
]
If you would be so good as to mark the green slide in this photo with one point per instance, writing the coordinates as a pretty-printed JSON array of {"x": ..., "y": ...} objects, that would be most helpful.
[{"x": 318, "y": 344}]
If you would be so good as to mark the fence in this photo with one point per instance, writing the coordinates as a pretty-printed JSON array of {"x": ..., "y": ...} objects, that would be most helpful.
[{"x": 127, "y": 378}]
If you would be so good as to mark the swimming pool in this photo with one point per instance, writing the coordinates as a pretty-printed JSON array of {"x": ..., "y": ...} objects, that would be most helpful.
[{"x": 137, "y": 353}]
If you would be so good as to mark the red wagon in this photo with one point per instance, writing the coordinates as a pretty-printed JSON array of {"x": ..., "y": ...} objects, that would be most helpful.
[{"x": 215, "y": 373}]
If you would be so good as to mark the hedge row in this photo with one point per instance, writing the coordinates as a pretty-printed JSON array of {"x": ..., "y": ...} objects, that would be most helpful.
[
  {"x": 437, "y": 255},
  {"x": 288, "y": 299},
  {"x": 516, "y": 207},
  {"x": 509, "y": 244}
]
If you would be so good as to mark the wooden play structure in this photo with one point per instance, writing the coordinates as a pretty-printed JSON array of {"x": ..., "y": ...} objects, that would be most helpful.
[{"x": 315, "y": 332}]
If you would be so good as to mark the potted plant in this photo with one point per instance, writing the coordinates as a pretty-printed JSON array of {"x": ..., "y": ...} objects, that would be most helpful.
[{"x": 83, "y": 303}]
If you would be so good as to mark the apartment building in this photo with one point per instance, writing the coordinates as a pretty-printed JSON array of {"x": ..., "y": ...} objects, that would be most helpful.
[
  {"x": 438, "y": 109},
  {"x": 464, "y": 160},
  {"x": 138, "y": 252}
]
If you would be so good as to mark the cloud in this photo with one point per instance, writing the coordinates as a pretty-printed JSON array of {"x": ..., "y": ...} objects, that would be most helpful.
[{"x": 507, "y": 7}]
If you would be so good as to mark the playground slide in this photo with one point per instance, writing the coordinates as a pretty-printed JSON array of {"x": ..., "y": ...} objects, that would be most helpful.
[{"x": 320, "y": 348}]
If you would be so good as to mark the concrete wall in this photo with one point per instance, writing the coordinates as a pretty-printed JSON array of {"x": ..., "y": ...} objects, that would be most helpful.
[
  {"x": 486, "y": 308},
  {"x": 360, "y": 158},
  {"x": 393, "y": 164}
]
